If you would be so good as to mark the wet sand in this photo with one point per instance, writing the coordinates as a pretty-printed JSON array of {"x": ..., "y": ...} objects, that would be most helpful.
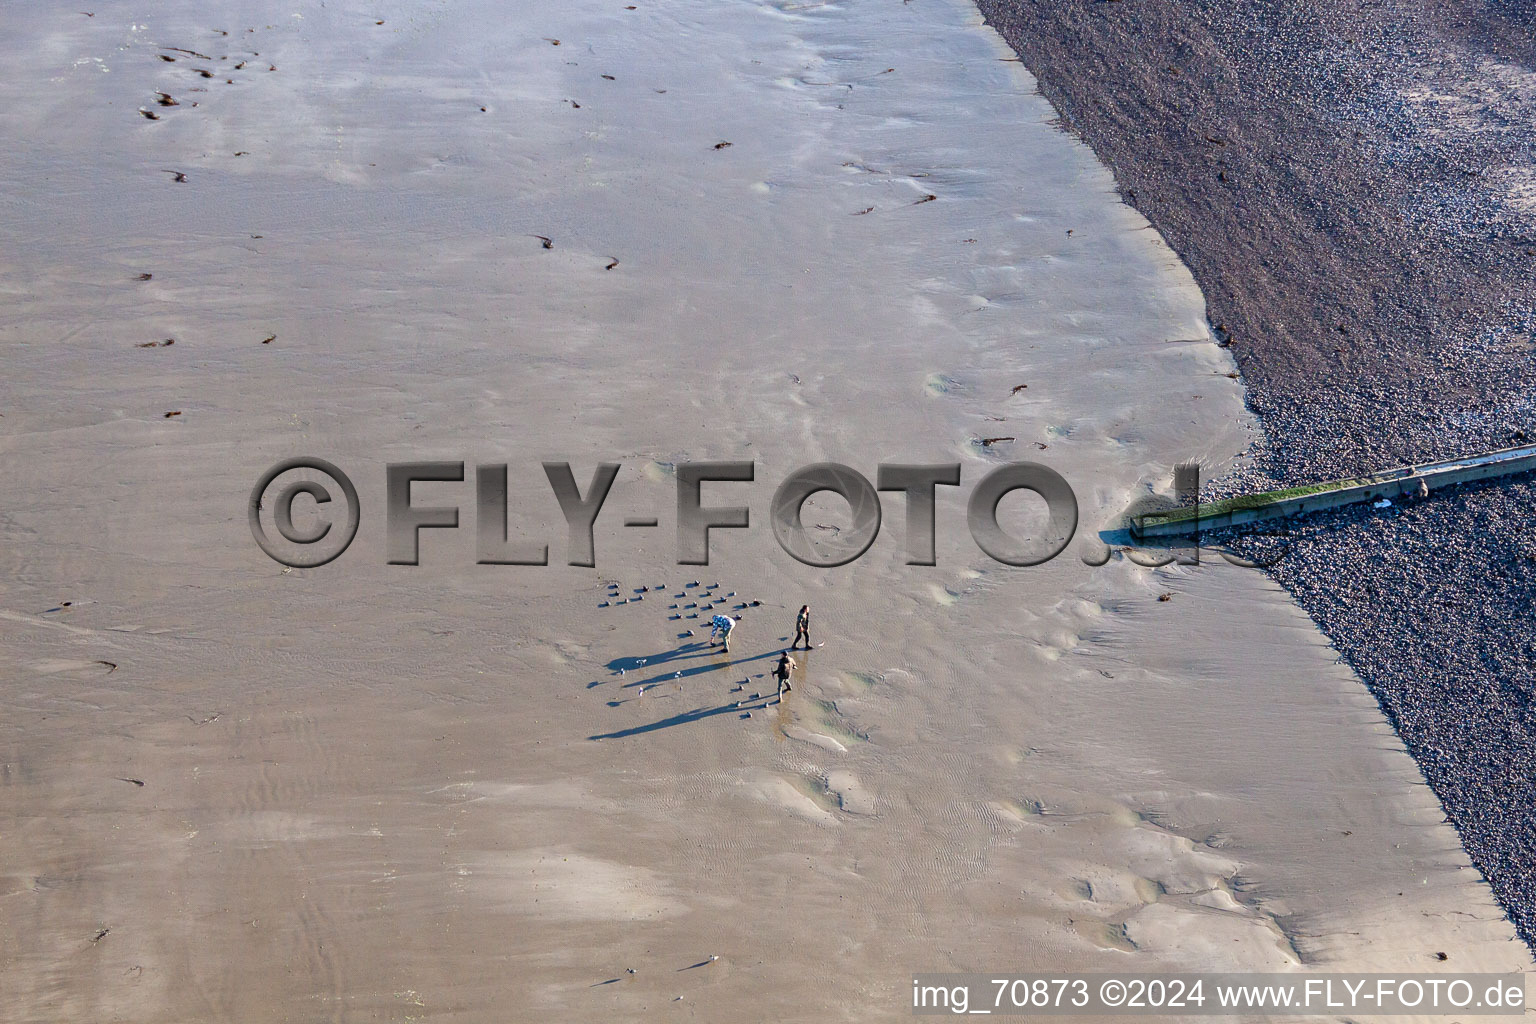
[
  {"x": 1352, "y": 187},
  {"x": 370, "y": 791}
]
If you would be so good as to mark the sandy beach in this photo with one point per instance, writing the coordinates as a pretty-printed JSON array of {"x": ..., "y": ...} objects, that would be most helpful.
[
  {"x": 1351, "y": 187},
  {"x": 768, "y": 231}
]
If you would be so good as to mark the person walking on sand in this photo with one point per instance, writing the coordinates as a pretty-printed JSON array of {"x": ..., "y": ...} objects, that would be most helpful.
[
  {"x": 782, "y": 671},
  {"x": 802, "y": 627},
  {"x": 721, "y": 626}
]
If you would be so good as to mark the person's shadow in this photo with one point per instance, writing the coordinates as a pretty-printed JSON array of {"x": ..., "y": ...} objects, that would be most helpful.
[
  {"x": 697, "y": 714},
  {"x": 697, "y": 648}
]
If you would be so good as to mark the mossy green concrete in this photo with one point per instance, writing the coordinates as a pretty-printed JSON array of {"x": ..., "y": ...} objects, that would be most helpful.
[
  {"x": 1286, "y": 501},
  {"x": 1249, "y": 501}
]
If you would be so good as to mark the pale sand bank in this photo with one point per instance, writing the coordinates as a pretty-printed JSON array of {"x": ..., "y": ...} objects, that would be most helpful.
[{"x": 371, "y": 792}]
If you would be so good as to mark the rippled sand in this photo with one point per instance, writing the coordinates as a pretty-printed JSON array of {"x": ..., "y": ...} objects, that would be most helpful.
[{"x": 374, "y": 791}]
